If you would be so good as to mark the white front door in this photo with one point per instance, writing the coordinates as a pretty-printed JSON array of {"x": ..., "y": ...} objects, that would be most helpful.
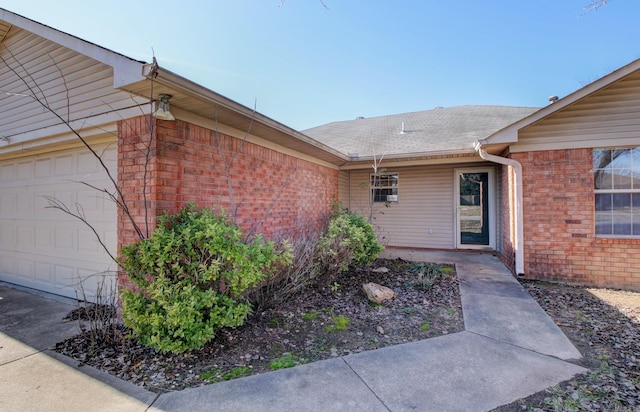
[{"x": 475, "y": 209}]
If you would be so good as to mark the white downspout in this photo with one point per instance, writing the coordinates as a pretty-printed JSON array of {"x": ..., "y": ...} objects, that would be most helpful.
[{"x": 517, "y": 168}]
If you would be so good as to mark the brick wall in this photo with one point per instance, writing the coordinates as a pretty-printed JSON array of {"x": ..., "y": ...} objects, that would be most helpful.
[
  {"x": 274, "y": 193},
  {"x": 507, "y": 207},
  {"x": 559, "y": 239}
]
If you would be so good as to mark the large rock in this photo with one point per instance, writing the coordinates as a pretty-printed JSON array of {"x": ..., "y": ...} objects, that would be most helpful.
[{"x": 377, "y": 293}]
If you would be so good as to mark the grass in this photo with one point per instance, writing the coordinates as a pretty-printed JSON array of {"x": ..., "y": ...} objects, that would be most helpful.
[
  {"x": 285, "y": 361},
  {"x": 218, "y": 375},
  {"x": 310, "y": 315},
  {"x": 338, "y": 323}
]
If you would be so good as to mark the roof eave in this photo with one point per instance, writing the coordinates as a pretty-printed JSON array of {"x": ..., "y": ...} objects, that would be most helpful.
[
  {"x": 125, "y": 69},
  {"x": 509, "y": 134},
  {"x": 414, "y": 159},
  {"x": 204, "y": 102}
]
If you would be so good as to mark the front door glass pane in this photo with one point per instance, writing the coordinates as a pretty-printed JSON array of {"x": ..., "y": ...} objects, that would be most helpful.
[{"x": 474, "y": 208}]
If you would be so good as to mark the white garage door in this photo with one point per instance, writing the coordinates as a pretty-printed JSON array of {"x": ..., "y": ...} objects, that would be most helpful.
[{"x": 43, "y": 248}]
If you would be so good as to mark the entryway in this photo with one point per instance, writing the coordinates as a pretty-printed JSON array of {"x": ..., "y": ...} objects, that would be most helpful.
[{"x": 475, "y": 216}]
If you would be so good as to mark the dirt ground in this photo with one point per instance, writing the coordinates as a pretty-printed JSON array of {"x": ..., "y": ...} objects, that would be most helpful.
[
  {"x": 337, "y": 320},
  {"x": 324, "y": 322},
  {"x": 604, "y": 325}
]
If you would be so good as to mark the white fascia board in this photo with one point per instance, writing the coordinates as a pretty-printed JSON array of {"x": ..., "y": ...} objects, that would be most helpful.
[{"x": 125, "y": 69}]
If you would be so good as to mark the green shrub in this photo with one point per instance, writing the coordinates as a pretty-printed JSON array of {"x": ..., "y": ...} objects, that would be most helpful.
[
  {"x": 350, "y": 241},
  {"x": 189, "y": 278}
]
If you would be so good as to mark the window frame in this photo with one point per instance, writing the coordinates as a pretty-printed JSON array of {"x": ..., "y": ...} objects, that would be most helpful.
[
  {"x": 393, "y": 189},
  {"x": 616, "y": 192}
]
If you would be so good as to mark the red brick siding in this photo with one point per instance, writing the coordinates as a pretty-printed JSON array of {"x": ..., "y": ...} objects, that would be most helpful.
[
  {"x": 274, "y": 193},
  {"x": 559, "y": 240},
  {"x": 507, "y": 206},
  {"x": 134, "y": 138}
]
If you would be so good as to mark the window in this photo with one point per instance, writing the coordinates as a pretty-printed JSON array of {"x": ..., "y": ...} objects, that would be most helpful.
[
  {"x": 384, "y": 187},
  {"x": 617, "y": 191}
]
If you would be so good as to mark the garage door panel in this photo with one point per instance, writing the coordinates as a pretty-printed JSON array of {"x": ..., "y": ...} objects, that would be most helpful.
[
  {"x": 7, "y": 234},
  {"x": 87, "y": 243},
  {"x": 8, "y": 173},
  {"x": 25, "y": 236},
  {"x": 24, "y": 171},
  {"x": 43, "y": 242},
  {"x": 64, "y": 240},
  {"x": 25, "y": 268},
  {"x": 63, "y": 166},
  {"x": 64, "y": 276},
  {"x": 44, "y": 248},
  {"x": 8, "y": 202},
  {"x": 24, "y": 204},
  {"x": 42, "y": 168},
  {"x": 8, "y": 265},
  {"x": 42, "y": 272}
]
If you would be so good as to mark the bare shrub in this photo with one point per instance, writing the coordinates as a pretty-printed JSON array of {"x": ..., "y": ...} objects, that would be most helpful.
[
  {"x": 97, "y": 315},
  {"x": 288, "y": 282}
]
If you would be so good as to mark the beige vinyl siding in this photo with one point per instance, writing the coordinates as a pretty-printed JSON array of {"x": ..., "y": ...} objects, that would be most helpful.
[
  {"x": 85, "y": 91},
  {"x": 608, "y": 117},
  {"x": 425, "y": 201},
  {"x": 343, "y": 188}
]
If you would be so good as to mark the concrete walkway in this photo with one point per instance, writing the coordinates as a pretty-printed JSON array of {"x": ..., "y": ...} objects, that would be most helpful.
[{"x": 510, "y": 349}]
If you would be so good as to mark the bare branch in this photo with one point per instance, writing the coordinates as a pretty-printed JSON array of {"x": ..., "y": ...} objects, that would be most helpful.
[
  {"x": 372, "y": 190},
  {"x": 66, "y": 88},
  {"x": 255, "y": 226},
  {"x": 228, "y": 162},
  {"x": 35, "y": 91},
  {"x": 78, "y": 214},
  {"x": 36, "y": 86},
  {"x": 321, "y": 2},
  {"x": 594, "y": 5}
]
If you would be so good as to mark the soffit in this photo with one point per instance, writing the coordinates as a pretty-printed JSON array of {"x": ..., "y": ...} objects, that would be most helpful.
[{"x": 4, "y": 29}]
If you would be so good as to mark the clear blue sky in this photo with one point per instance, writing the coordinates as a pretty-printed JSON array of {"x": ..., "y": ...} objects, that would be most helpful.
[{"x": 306, "y": 65}]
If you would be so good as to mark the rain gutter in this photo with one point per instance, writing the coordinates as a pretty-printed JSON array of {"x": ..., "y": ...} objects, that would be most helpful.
[{"x": 517, "y": 168}]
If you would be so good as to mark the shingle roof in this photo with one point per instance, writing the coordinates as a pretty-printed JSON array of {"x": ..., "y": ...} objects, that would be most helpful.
[{"x": 439, "y": 130}]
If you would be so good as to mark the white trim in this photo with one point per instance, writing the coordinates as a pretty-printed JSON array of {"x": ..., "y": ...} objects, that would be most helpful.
[{"x": 492, "y": 208}]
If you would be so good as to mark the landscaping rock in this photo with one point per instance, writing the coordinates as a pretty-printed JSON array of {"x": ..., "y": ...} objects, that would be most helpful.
[{"x": 377, "y": 293}]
